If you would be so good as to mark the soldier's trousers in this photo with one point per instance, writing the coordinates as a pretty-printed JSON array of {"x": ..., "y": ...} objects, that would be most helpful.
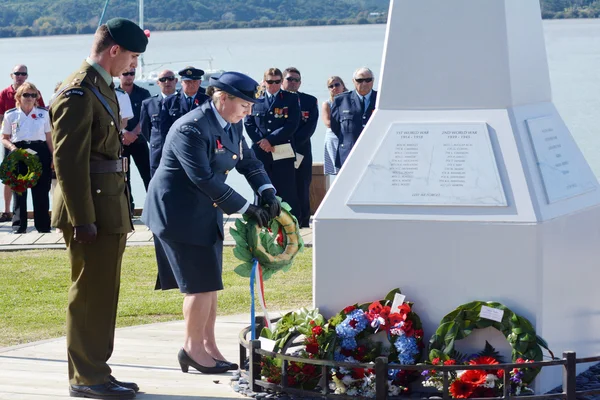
[{"x": 92, "y": 309}]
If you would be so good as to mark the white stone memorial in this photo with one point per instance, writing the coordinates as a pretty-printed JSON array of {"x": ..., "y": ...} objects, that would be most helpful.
[{"x": 466, "y": 184}]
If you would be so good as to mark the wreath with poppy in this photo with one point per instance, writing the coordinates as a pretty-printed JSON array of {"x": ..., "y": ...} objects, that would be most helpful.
[
  {"x": 460, "y": 323},
  {"x": 275, "y": 246},
  {"x": 19, "y": 183}
]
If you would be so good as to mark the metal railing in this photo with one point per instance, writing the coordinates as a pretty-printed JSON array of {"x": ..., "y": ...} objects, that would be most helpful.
[{"x": 568, "y": 362}]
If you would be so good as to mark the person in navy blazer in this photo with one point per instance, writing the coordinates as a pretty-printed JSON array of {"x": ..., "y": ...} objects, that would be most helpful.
[
  {"x": 309, "y": 111},
  {"x": 178, "y": 104},
  {"x": 273, "y": 122},
  {"x": 185, "y": 204},
  {"x": 350, "y": 112},
  {"x": 150, "y": 116}
]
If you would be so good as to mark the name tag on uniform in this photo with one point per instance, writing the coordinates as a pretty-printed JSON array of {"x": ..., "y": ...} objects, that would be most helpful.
[{"x": 219, "y": 149}]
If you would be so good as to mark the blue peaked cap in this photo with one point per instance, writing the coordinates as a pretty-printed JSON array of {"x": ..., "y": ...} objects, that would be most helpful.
[{"x": 238, "y": 85}]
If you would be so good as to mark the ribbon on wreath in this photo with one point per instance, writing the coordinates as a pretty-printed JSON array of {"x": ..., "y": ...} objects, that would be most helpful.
[{"x": 257, "y": 274}]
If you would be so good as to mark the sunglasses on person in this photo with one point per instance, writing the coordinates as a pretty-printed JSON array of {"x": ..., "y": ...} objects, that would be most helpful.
[
  {"x": 128, "y": 73},
  {"x": 20, "y": 73},
  {"x": 30, "y": 95},
  {"x": 271, "y": 82},
  {"x": 292, "y": 79},
  {"x": 166, "y": 78},
  {"x": 361, "y": 80},
  {"x": 337, "y": 84}
]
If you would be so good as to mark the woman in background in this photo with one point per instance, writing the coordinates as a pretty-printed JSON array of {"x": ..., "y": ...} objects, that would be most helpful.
[{"x": 335, "y": 84}]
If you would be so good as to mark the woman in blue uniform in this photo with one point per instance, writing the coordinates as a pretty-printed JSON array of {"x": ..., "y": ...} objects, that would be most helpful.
[{"x": 185, "y": 203}]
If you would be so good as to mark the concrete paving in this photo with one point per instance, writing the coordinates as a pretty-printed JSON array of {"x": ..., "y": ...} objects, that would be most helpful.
[{"x": 145, "y": 354}]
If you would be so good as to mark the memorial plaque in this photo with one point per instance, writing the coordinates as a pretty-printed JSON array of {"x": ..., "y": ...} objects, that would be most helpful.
[
  {"x": 564, "y": 171},
  {"x": 445, "y": 164}
]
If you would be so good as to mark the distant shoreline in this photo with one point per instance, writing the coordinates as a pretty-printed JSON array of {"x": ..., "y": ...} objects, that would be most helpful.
[{"x": 87, "y": 29}]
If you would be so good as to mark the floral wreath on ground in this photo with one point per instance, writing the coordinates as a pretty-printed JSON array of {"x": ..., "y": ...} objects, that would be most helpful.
[
  {"x": 19, "y": 183},
  {"x": 357, "y": 334},
  {"x": 526, "y": 348},
  {"x": 274, "y": 247}
]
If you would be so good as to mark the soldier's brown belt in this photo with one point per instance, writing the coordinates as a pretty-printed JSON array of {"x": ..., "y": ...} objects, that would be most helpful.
[{"x": 108, "y": 166}]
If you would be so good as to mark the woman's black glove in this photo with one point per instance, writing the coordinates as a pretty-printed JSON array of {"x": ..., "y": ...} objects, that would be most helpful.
[
  {"x": 259, "y": 214},
  {"x": 268, "y": 199}
]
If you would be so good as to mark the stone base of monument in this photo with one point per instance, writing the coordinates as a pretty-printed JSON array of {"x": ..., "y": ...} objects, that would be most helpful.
[{"x": 466, "y": 184}]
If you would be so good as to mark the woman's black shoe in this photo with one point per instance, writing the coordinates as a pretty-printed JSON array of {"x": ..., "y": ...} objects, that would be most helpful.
[
  {"x": 185, "y": 361},
  {"x": 232, "y": 366}
]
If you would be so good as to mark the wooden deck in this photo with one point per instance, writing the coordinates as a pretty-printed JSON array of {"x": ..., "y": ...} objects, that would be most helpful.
[{"x": 141, "y": 236}]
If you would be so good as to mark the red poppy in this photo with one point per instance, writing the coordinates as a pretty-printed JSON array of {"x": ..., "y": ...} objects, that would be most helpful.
[
  {"x": 408, "y": 329},
  {"x": 353, "y": 323},
  {"x": 450, "y": 362},
  {"x": 461, "y": 389},
  {"x": 312, "y": 348},
  {"x": 349, "y": 309},
  {"x": 358, "y": 373},
  {"x": 33, "y": 116},
  {"x": 499, "y": 373},
  {"x": 317, "y": 330},
  {"x": 484, "y": 360},
  {"x": 474, "y": 376},
  {"x": 435, "y": 361},
  {"x": 375, "y": 307}
]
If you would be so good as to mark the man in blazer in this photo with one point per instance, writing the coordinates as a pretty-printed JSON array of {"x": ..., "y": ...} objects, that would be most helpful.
[
  {"x": 189, "y": 97},
  {"x": 150, "y": 116},
  {"x": 91, "y": 204},
  {"x": 351, "y": 111},
  {"x": 309, "y": 109},
  {"x": 273, "y": 122}
]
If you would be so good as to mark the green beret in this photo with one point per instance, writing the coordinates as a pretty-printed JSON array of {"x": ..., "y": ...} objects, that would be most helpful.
[{"x": 127, "y": 34}]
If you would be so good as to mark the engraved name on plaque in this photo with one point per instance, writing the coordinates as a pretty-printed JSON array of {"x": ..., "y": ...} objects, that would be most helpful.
[
  {"x": 564, "y": 172},
  {"x": 446, "y": 164}
]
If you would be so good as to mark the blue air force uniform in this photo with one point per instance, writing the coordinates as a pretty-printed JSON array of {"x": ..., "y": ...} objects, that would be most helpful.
[
  {"x": 309, "y": 117},
  {"x": 188, "y": 195},
  {"x": 150, "y": 120},
  {"x": 348, "y": 118},
  {"x": 277, "y": 121}
]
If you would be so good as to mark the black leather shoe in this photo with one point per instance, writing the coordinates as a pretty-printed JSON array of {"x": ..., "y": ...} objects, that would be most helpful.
[
  {"x": 106, "y": 390},
  {"x": 232, "y": 366},
  {"x": 185, "y": 361},
  {"x": 129, "y": 385},
  {"x": 19, "y": 231}
]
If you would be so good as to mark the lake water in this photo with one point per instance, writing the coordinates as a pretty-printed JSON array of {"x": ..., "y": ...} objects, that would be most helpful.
[{"x": 573, "y": 48}]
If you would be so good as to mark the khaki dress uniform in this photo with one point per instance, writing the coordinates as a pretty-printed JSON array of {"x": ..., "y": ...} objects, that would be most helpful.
[{"x": 91, "y": 189}]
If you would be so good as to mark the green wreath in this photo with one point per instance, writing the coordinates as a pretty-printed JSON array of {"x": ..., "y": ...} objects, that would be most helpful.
[
  {"x": 461, "y": 322},
  {"x": 275, "y": 250},
  {"x": 20, "y": 183}
]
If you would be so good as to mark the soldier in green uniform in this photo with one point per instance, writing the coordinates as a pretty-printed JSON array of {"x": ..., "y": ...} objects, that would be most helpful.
[{"x": 91, "y": 205}]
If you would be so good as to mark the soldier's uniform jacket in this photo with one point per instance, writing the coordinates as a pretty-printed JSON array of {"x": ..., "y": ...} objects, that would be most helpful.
[
  {"x": 309, "y": 118},
  {"x": 277, "y": 123},
  {"x": 83, "y": 131},
  {"x": 348, "y": 121},
  {"x": 150, "y": 124},
  {"x": 188, "y": 194}
]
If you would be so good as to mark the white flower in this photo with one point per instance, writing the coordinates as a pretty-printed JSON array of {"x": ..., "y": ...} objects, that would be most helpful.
[
  {"x": 490, "y": 381},
  {"x": 332, "y": 386},
  {"x": 347, "y": 379},
  {"x": 394, "y": 390}
]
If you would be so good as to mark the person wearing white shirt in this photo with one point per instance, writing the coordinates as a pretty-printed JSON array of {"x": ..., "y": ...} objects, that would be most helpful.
[{"x": 27, "y": 126}]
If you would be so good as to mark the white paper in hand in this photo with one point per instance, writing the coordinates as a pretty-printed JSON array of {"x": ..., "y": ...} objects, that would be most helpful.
[
  {"x": 32, "y": 152},
  {"x": 283, "y": 151},
  {"x": 299, "y": 158},
  {"x": 491, "y": 313},
  {"x": 398, "y": 301}
]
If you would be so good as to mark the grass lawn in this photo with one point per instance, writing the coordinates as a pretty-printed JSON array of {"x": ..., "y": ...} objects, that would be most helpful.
[{"x": 34, "y": 286}]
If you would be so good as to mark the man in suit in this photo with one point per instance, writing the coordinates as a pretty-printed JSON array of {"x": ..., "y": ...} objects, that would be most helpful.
[
  {"x": 185, "y": 204},
  {"x": 271, "y": 128},
  {"x": 179, "y": 104},
  {"x": 91, "y": 205},
  {"x": 350, "y": 112},
  {"x": 134, "y": 146},
  {"x": 309, "y": 110},
  {"x": 150, "y": 116}
]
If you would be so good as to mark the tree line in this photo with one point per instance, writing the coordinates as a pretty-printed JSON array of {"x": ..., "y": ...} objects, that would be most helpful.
[{"x": 20, "y": 18}]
